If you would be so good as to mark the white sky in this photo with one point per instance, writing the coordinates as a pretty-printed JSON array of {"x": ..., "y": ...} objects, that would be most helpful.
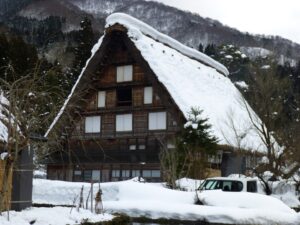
[{"x": 270, "y": 17}]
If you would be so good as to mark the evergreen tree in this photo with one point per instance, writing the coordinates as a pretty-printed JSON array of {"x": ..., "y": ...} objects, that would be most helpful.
[
  {"x": 237, "y": 63},
  {"x": 3, "y": 55},
  {"x": 197, "y": 142},
  {"x": 193, "y": 146},
  {"x": 23, "y": 57},
  {"x": 201, "y": 47},
  {"x": 85, "y": 42},
  {"x": 210, "y": 50}
]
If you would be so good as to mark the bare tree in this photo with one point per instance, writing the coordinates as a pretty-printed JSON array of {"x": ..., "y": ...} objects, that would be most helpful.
[
  {"x": 27, "y": 111},
  {"x": 272, "y": 98}
]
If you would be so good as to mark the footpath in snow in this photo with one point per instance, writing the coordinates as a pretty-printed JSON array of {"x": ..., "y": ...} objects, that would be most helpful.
[{"x": 155, "y": 201}]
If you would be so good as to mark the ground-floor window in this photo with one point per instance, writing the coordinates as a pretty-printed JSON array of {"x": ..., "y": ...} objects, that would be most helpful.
[
  {"x": 77, "y": 175},
  {"x": 87, "y": 175},
  {"x": 135, "y": 173},
  {"x": 96, "y": 175},
  {"x": 125, "y": 174},
  {"x": 115, "y": 175},
  {"x": 151, "y": 173}
]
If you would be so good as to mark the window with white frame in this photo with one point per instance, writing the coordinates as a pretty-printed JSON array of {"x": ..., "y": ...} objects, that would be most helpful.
[
  {"x": 124, "y": 122},
  {"x": 92, "y": 124},
  {"x": 124, "y": 73},
  {"x": 101, "y": 99},
  {"x": 148, "y": 95},
  {"x": 157, "y": 121}
]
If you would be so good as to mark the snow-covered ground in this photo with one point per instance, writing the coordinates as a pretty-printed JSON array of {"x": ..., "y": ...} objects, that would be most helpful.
[
  {"x": 155, "y": 201},
  {"x": 51, "y": 216},
  {"x": 152, "y": 200}
]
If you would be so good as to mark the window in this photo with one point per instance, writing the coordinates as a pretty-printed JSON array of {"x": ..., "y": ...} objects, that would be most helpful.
[
  {"x": 115, "y": 173},
  {"x": 92, "y": 124},
  {"x": 157, "y": 121},
  {"x": 146, "y": 173},
  {"x": 96, "y": 175},
  {"x": 151, "y": 173},
  {"x": 148, "y": 93},
  {"x": 87, "y": 175},
  {"x": 225, "y": 185},
  {"x": 155, "y": 173},
  {"x": 101, "y": 99},
  {"x": 77, "y": 175},
  {"x": 251, "y": 186},
  {"x": 124, "y": 122},
  {"x": 124, "y": 96},
  {"x": 132, "y": 147},
  {"x": 124, "y": 73},
  {"x": 125, "y": 173},
  {"x": 135, "y": 173},
  {"x": 142, "y": 147}
]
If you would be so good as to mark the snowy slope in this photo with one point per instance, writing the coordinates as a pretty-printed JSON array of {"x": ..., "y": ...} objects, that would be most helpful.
[{"x": 156, "y": 201}]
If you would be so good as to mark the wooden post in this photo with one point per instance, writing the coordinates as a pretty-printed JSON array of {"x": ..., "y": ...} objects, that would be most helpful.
[{"x": 92, "y": 197}]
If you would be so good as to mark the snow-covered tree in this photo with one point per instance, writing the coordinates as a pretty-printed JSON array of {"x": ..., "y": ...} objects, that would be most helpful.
[{"x": 193, "y": 146}]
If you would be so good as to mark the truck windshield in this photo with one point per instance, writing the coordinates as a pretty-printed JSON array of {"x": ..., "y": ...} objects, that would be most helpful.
[{"x": 225, "y": 185}]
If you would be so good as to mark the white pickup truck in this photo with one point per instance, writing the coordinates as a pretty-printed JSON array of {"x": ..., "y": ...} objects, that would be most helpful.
[{"x": 230, "y": 184}]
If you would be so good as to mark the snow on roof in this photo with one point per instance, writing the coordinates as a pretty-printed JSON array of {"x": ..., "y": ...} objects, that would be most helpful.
[
  {"x": 132, "y": 23},
  {"x": 193, "y": 80},
  {"x": 3, "y": 128}
]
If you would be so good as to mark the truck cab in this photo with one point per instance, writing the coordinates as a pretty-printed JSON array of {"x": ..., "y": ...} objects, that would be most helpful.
[{"x": 230, "y": 184}]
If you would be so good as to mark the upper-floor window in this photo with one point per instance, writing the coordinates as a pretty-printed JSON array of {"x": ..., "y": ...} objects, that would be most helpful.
[
  {"x": 148, "y": 95},
  {"x": 92, "y": 124},
  {"x": 124, "y": 122},
  {"x": 157, "y": 121},
  {"x": 101, "y": 99},
  {"x": 124, "y": 96},
  {"x": 124, "y": 73}
]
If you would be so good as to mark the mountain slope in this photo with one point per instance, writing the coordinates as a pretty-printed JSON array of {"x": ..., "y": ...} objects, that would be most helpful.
[{"x": 188, "y": 28}]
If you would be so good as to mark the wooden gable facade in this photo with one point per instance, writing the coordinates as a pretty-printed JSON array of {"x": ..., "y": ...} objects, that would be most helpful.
[{"x": 118, "y": 119}]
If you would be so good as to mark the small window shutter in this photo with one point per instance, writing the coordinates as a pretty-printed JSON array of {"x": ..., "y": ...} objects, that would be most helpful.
[
  {"x": 96, "y": 124},
  {"x": 128, "y": 122},
  {"x": 120, "y": 73},
  {"x": 148, "y": 93},
  {"x": 119, "y": 123},
  {"x": 161, "y": 121},
  {"x": 152, "y": 121},
  {"x": 101, "y": 99},
  {"x": 128, "y": 73},
  {"x": 88, "y": 125}
]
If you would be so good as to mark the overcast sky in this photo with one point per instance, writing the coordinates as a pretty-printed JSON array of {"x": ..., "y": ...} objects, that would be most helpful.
[{"x": 270, "y": 17}]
